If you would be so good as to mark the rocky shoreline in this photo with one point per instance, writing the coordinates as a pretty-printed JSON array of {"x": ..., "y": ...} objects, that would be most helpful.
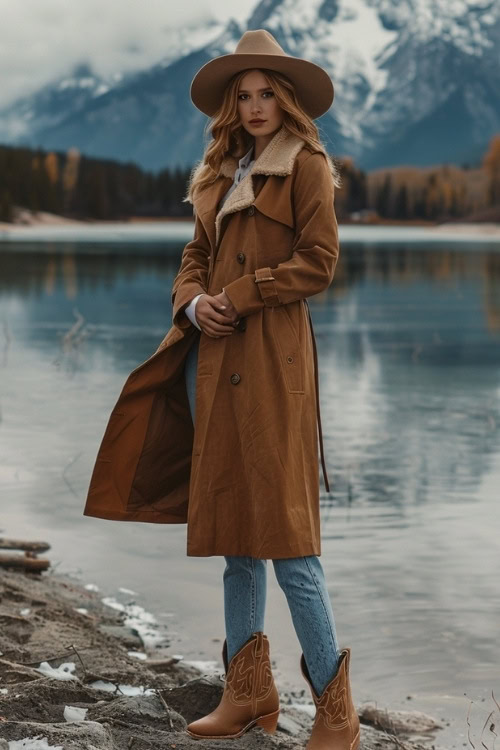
[{"x": 76, "y": 674}]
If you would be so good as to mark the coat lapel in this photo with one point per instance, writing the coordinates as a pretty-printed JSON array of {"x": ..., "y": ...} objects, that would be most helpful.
[
  {"x": 206, "y": 205},
  {"x": 277, "y": 159}
]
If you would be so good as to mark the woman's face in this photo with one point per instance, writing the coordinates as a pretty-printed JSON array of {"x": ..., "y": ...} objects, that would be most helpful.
[{"x": 256, "y": 101}]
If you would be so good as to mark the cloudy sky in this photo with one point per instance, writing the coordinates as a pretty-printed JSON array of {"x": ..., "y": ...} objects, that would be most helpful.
[{"x": 41, "y": 39}]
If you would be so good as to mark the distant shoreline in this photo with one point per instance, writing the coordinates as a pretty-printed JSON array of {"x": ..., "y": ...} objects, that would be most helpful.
[{"x": 29, "y": 221}]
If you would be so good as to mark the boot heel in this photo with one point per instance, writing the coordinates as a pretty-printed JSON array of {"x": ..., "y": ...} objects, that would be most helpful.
[{"x": 269, "y": 722}]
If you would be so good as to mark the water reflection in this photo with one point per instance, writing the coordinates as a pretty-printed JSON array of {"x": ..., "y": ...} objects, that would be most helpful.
[
  {"x": 408, "y": 342},
  {"x": 79, "y": 266}
]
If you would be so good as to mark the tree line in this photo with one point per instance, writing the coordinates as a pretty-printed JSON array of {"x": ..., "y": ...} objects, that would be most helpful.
[
  {"x": 75, "y": 186},
  {"x": 437, "y": 193},
  {"x": 78, "y": 187}
]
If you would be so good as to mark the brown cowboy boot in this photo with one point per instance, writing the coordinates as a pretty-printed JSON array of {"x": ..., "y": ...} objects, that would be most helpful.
[
  {"x": 250, "y": 695},
  {"x": 336, "y": 724}
]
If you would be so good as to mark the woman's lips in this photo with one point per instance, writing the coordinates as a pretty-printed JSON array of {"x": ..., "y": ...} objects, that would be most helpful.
[{"x": 257, "y": 122}]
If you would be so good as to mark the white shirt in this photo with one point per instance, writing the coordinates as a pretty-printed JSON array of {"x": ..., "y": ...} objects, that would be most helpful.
[{"x": 244, "y": 166}]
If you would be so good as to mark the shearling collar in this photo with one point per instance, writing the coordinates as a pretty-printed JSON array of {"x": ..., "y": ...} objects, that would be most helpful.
[{"x": 277, "y": 159}]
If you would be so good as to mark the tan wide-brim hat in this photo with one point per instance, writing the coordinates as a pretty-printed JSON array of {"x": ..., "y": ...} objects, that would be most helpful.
[{"x": 259, "y": 49}]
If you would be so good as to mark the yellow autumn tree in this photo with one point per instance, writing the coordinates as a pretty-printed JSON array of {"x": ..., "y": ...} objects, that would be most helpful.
[
  {"x": 52, "y": 167},
  {"x": 491, "y": 163},
  {"x": 70, "y": 175}
]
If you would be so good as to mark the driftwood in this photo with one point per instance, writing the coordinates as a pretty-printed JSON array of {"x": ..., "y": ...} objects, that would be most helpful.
[
  {"x": 28, "y": 561},
  {"x": 28, "y": 546},
  {"x": 23, "y": 561},
  {"x": 160, "y": 665},
  {"x": 410, "y": 722}
]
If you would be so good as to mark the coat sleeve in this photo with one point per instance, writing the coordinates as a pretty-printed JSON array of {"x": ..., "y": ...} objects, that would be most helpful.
[
  {"x": 315, "y": 248},
  {"x": 192, "y": 277}
]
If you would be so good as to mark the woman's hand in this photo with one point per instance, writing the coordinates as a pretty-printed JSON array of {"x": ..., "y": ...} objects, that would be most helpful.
[
  {"x": 229, "y": 312},
  {"x": 211, "y": 316}
]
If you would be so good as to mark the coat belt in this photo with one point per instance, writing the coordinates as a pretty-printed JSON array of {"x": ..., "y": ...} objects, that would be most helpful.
[{"x": 316, "y": 382}]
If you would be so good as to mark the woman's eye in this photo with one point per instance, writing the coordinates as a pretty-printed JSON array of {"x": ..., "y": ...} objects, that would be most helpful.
[{"x": 271, "y": 93}]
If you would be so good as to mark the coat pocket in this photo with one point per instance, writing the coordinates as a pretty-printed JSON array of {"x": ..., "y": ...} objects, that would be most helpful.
[{"x": 287, "y": 341}]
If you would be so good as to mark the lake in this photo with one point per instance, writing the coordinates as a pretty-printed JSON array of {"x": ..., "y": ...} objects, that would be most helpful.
[{"x": 408, "y": 339}]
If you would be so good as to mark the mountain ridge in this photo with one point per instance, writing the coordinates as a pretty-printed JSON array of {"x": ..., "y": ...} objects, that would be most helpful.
[{"x": 416, "y": 82}]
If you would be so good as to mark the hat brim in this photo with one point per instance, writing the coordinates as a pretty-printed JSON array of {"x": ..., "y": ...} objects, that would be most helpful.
[{"x": 313, "y": 85}]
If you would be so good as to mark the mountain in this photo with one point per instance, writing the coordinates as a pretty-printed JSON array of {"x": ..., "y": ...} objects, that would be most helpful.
[
  {"x": 50, "y": 105},
  {"x": 416, "y": 82}
]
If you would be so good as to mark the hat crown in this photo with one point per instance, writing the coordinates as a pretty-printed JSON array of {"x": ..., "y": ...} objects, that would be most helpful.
[
  {"x": 259, "y": 49},
  {"x": 259, "y": 42}
]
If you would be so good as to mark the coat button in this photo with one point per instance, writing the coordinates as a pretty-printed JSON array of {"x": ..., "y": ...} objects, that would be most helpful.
[
  {"x": 240, "y": 257},
  {"x": 251, "y": 211},
  {"x": 289, "y": 360},
  {"x": 235, "y": 378}
]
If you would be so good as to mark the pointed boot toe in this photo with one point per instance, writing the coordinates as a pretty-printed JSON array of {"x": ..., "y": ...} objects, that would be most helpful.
[
  {"x": 336, "y": 724},
  {"x": 250, "y": 695}
]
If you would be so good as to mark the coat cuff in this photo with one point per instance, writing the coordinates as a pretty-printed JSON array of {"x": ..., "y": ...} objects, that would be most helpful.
[
  {"x": 181, "y": 299},
  {"x": 253, "y": 291},
  {"x": 190, "y": 311}
]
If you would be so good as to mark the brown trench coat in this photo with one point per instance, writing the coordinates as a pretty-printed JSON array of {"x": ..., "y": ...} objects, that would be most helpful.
[{"x": 246, "y": 479}]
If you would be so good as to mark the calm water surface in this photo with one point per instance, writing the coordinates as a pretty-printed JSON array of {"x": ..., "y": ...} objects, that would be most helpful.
[{"x": 409, "y": 347}]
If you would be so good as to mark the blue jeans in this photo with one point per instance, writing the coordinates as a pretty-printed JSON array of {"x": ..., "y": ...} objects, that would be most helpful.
[{"x": 301, "y": 578}]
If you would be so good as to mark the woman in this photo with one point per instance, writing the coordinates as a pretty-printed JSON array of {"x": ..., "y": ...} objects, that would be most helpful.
[{"x": 219, "y": 427}]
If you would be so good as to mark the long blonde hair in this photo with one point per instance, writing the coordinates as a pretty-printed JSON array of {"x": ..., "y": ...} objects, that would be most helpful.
[{"x": 229, "y": 136}]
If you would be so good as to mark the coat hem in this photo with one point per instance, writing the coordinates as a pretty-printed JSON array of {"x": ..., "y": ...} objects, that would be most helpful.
[
  {"x": 274, "y": 556},
  {"x": 148, "y": 516}
]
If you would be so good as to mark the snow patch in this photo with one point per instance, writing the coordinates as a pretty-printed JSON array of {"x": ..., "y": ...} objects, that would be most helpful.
[
  {"x": 102, "y": 89},
  {"x": 138, "y": 619},
  {"x": 74, "y": 713},
  {"x": 138, "y": 654},
  {"x": 83, "y": 83},
  {"x": 110, "y": 687},
  {"x": 33, "y": 744},
  {"x": 62, "y": 672}
]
